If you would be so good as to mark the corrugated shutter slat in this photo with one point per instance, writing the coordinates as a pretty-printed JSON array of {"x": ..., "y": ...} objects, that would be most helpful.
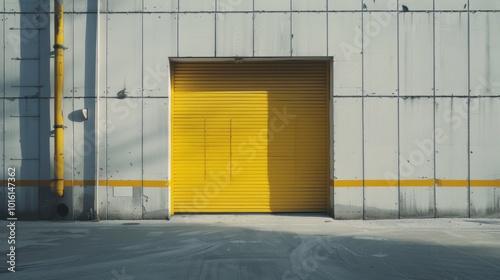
[{"x": 250, "y": 137}]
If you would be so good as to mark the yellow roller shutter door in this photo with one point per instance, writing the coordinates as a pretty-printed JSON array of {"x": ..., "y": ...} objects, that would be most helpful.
[{"x": 250, "y": 137}]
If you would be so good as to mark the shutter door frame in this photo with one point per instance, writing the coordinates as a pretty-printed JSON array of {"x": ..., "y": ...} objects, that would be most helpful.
[{"x": 217, "y": 125}]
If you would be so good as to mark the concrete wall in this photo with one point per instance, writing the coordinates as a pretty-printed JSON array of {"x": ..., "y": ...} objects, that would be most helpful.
[{"x": 415, "y": 98}]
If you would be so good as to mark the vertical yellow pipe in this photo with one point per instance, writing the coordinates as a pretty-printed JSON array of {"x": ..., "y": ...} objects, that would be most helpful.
[{"x": 58, "y": 96}]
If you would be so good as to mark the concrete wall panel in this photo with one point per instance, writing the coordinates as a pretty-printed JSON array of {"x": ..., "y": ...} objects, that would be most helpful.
[
  {"x": 347, "y": 160},
  {"x": 422, "y": 5},
  {"x": 45, "y": 47},
  {"x": 123, "y": 142},
  {"x": 28, "y": 209},
  {"x": 83, "y": 163},
  {"x": 101, "y": 131},
  {"x": 380, "y": 52},
  {"x": 124, "y": 157},
  {"x": 345, "y": 45},
  {"x": 451, "y": 54},
  {"x": 309, "y": 34},
  {"x": 155, "y": 203},
  {"x": 344, "y": 5},
  {"x": 69, "y": 56},
  {"x": 84, "y": 55},
  {"x": 347, "y": 138},
  {"x": 485, "y": 202},
  {"x": 155, "y": 139},
  {"x": 485, "y": 152},
  {"x": 77, "y": 204},
  {"x": 160, "y": 5},
  {"x": 196, "y": 35},
  {"x": 124, "y": 54},
  {"x": 124, "y": 5},
  {"x": 21, "y": 128},
  {"x": 485, "y": 138},
  {"x": 348, "y": 202},
  {"x": 234, "y": 34},
  {"x": 485, "y": 54},
  {"x": 309, "y": 5},
  {"x": 21, "y": 35},
  {"x": 21, "y": 56},
  {"x": 272, "y": 34},
  {"x": 196, "y": 5},
  {"x": 344, "y": 86},
  {"x": 451, "y": 202},
  {"x": 380, "y": 138},
  {"x": 380, "y": 157},
  {"x": 159, "y": 44},
  {"x": 276, "y": 5},
  {"x": 86, "y": 6},
  {"x": 451, "y": 139},
  {"x": 22, "y": 151},
  {"x": 416, "y": 202},
  {"x": 83, "y": 136},
  {"x": 416, "y": 137},
  {"x": 234, "y": 5},
  {"x": 124, "y": 203},
  {"x": 381, "y": 203},
  {"x": 380, "y": 5},
  {"x": 484, "y": 5},
  {"x": 457, "y": 5},
  {"x": 451, "y": 157},
  {"x": 70, "y": 116},
  {"x": 155, "y": 158},
  {"x": 415, "y": 54},
  {"x": 27, "y": 6},
  {"x": 46, "y": 140}
]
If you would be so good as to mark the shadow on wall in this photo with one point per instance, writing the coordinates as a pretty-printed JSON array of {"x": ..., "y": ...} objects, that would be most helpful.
[
  {"x": 47, "y": 202},
  {"x": 85, "y": 145},
  {"x": 297, "y": 148},
  {"x": 33, "y": 58},
  {"x": 35, "y": 101}
]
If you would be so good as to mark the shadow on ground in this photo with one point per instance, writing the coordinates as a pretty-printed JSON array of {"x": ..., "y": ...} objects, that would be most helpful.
[{"x": 133, "y": 251}]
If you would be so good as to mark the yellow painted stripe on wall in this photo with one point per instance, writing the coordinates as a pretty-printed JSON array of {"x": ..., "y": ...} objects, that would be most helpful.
[
  {"x": 452, "y": 183},
  {"x": 336, "y": 183},
  {"x": 22, "y": 183},
  {"x": 415, "y": 183},
  {"x": 102, "y": 183},
  {"x": 485, "y": 183},
  {"x": 346, "y": 183}
]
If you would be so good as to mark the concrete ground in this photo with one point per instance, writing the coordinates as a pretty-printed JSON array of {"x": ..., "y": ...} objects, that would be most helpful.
[{"x": 255, "y": 247}]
